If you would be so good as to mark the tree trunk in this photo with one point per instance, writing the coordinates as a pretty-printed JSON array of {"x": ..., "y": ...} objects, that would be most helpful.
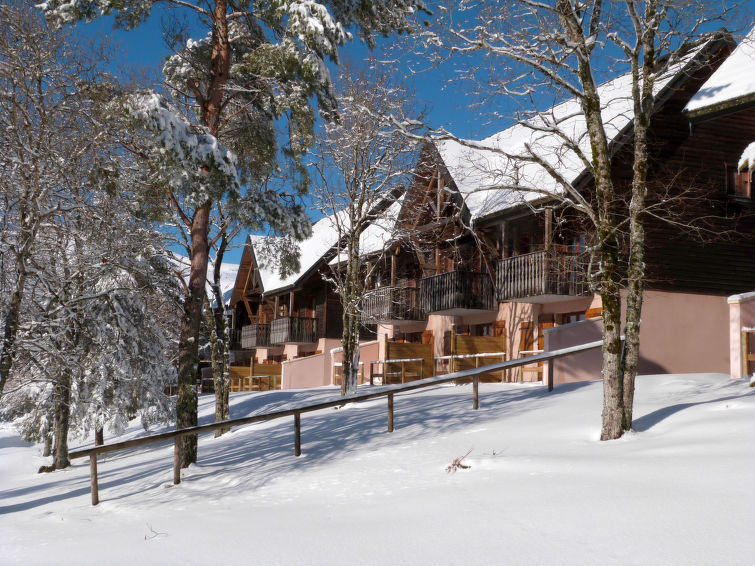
[
  {"x": 613, "y": 398},
  {"x": 350, "y": 343},
  {"x": 642, "y": 94},
  {"x": 62, "y": 408},
  {"x": 48, "y": 444},
  {"x": 222, "y": 374},
  {"x": 99, "y": 436},
  {"x": 188, "y": 354},
  {"x": 28, "y": 233},
  {"x": 351, "y": 297}
]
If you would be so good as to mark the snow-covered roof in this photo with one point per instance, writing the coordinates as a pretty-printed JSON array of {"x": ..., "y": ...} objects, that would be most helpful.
[
  {"x": 731, "y": 84},
  {"x": 379, "y": 233},
  {"x": 227, "y": 275},
  {"x": 482, "y": 170},
  {"x": 747, "y": 161},
  {"x": 324, "y": 237}
]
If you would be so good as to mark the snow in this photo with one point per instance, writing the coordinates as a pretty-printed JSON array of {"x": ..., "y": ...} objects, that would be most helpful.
[
  {"x": 227, "y": 275},
  {"x": 747, "y": 161},
  {"x": 541, "y": 488},
  {"x": 495, "y": 173},
  {"x": 322, "y": 240},
  {"x": 311, "y": 250},
  {"x": 733, "y": 80},
  {"x": 741, "y": 297}
]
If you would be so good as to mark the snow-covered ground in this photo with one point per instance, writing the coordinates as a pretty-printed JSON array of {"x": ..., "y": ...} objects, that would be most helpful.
[{"x": 541, "y": 488}]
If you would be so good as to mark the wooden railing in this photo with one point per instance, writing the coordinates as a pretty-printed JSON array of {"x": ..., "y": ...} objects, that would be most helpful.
[
  {"x": 234, "y": 339},
  {"x": 390, "y": 303},
  {"x": 293, "y": 329},
  {"x": 542, "y": 273},
  {"x": 255, "y": 335},
  {"x": 466, "y": 290},
  {"x": 389, "y": 392}
]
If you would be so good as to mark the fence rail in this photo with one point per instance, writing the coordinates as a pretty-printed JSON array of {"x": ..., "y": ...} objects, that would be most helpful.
[{"x": 296, "y": 412}]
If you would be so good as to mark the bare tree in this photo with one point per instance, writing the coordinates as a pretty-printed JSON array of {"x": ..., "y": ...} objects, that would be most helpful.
[
  {"x": 363, "y": 165},
  {"x": 560, "y": 53}
]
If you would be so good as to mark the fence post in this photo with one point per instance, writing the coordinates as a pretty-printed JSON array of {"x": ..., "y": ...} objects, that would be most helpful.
[
  {"x": 403, "y": 372},
  {"x": 476, "y": 392},
  {"x": 297, "y": 434},
  {"x": 176, "y": 461},
  {"x": 550, "y": 374},
  {"x": 93, "y": 479},
  {"x": 390, "y": 412},
  {"x": 745, "y": 353}
]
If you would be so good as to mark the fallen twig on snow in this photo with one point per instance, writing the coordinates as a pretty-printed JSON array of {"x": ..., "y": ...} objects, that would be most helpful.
[{"x": 457, "y": 463}]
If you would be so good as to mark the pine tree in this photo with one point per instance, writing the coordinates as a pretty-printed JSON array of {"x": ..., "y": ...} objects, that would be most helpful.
[{"x": 259, "y": 63}]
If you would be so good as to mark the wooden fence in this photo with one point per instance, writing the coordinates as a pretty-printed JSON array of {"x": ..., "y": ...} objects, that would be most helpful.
[
  {"x": 256, "y": 377},
  {"x": 474, "y": 351},
  {"x": 388, "y": 392},
  {"x": 405, "y": 361}
]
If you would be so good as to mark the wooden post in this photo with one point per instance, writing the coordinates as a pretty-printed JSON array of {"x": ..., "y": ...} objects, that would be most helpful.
[
  {"x": 291, "y": 304},
  {"x": 548, "y": 228},
  {"x": 297, "y": 434},
  {"x": 403, "y": 372},
  {"x": 745, "y": 353},
  {"x": 390, "y": 412},
  {"x": 452, "y": 363},
  {"x": 393, "y": 269},
  {"x": 276, "y": 314},
  {"x": 550, "y": 374},
  {"x": 476, "y": 392},
  {"x": 93, "y": 479},
  {"x": 176, "y": 461}
]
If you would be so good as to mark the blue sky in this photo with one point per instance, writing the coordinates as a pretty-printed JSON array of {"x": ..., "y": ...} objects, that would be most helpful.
[{"x": 448, "y": 104}]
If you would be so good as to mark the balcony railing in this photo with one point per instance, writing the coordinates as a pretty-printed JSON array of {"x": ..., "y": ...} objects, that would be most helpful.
[
  {"x": 293, "y": 330},
  {"x": 542, "y": 273},
  {"x": 456, "y": 290},
  {"x": 255, "y": 335},
  {"x": 390, "y": 303},
  {"x": 234, "y": 339}
]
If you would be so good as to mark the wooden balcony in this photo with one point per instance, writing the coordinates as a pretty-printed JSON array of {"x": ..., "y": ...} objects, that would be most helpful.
[
  {"x": 542, "y": 277},
  {"x": 255, "y": 336},
  {"x": 293, "y": 330},
  {"x": 456, "y": 293},
  {"x": 391, "y": 304}
]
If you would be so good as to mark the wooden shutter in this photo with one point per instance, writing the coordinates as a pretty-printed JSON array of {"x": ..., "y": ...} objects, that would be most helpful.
[
  {"x": 427, "y": 337},
  {"x": 592, "y": 313}
]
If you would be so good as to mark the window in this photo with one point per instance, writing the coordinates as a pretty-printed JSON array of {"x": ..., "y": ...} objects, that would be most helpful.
[{"x": 738, "y": 183}]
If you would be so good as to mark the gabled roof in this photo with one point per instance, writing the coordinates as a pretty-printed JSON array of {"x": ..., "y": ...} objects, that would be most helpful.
[
  {"x": 482, "y": 169},
  {"x": 317, "y": 250},
  {"x": 732, "y": 85}
]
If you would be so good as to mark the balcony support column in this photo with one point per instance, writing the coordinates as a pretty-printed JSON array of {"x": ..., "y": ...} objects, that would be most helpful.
[{"x": 548, "y": 228}]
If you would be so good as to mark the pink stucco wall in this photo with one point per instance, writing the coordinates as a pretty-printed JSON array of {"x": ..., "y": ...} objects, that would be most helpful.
[
  {"x": 741, "y": 315},
  {"x": 681, "y": 333},
  {"x": 310, "y": 371},
  {"x": 368, "y": 352}
]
